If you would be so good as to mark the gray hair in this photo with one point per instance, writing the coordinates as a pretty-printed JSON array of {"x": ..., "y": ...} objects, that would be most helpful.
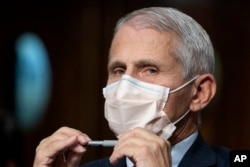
[{"x": 194, "y": 51}]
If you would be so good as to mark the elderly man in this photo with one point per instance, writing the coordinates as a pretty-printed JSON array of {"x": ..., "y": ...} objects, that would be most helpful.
[{"x": 160, "y": 76}]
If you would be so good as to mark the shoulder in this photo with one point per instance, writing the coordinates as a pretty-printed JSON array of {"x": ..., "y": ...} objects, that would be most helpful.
[
  {"x": 201, "y": 154},
  {"x": 222, "y": 155}
]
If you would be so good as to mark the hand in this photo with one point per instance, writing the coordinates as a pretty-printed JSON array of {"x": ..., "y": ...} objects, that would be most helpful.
[
  {"x": 144, "y": 148},
  {"x": 63, "y": 148}
]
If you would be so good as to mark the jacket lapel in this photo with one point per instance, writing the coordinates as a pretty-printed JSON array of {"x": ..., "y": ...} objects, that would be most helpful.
[{"x": 199, "y": 155}]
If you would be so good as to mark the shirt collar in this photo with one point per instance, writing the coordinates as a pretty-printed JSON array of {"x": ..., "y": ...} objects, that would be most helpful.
[{"x": 180, "y": 149}]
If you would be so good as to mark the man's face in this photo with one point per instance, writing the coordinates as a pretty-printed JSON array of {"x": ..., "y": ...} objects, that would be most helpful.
[{"x": 146, "y": 55}]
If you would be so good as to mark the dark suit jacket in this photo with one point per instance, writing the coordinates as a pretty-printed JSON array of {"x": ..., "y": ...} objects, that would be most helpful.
[{"x": 198, "y": 155}]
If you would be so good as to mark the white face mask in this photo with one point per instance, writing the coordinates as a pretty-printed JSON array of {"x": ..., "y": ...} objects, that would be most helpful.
[{"x": 131, "y": 103}]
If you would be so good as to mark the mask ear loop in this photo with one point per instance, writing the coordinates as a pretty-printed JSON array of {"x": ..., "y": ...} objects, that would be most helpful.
[
  {"x": 180, "y": 87},
  {"x": 184, "y": 85},
  {"x": 179, "y": 119},
  {"x": 175, "y": 90}
]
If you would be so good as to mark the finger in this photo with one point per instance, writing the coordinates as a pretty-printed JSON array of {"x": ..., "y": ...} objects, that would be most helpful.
[
  {"x": 77, "y": 149},
  {"x": 47, "y": 152},
  {"x": 74, "y": 159},
  {"x": 66, "y": 132},
  {"x": 139, "y": 144},
  {"x": 125, "y": 148},
  {"x": 130, "y": 148},
  {"x": 61, "y": 161},
  {"x": 141, "y": 154},
  {"x": 63, "y": 139},
  {"x": 142, "y": 133},
  {"x": 60, "y": 146}
]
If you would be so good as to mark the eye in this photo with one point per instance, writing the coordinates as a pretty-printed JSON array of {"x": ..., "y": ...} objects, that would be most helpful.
[
  {"x": 119, "y": 71},
  {"x": 151, "y": 70}
]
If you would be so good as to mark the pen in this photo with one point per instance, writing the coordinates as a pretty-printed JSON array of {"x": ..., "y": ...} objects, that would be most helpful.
[{"x": 104, "y": 143}]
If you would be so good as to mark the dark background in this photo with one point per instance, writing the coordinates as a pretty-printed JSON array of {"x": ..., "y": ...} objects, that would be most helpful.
[{"x": 77, "y": 35}]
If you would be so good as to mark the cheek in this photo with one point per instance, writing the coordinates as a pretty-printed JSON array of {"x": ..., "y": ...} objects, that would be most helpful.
[
  {"x": 177, "y": 104},
  {"x": 112, "y": 79}
]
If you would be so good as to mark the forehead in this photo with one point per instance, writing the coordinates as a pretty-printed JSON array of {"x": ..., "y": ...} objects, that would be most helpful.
[{"x": 132, "y": 44}]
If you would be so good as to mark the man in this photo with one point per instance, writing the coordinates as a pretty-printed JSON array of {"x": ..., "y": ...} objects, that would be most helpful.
[{"x": 160, "y": 70}]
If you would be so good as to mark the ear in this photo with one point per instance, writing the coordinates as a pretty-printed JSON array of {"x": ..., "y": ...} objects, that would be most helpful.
[{"x": 203, "y": 91}]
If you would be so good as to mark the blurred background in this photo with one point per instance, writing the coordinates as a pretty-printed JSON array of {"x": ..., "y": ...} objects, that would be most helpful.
[{"x": 53, "y": 57}]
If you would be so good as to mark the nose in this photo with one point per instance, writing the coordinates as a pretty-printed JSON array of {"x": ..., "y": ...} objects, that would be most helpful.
[
  {"x": 132, "y": 71},
  {"x": 129, "y": 71}
]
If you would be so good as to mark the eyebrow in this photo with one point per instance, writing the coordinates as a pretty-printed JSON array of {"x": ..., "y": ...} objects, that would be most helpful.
[
  {"x": 117, "y": 63},
  {"x": 147, "y": 62},
  {"x": 140, "y": 63}
]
